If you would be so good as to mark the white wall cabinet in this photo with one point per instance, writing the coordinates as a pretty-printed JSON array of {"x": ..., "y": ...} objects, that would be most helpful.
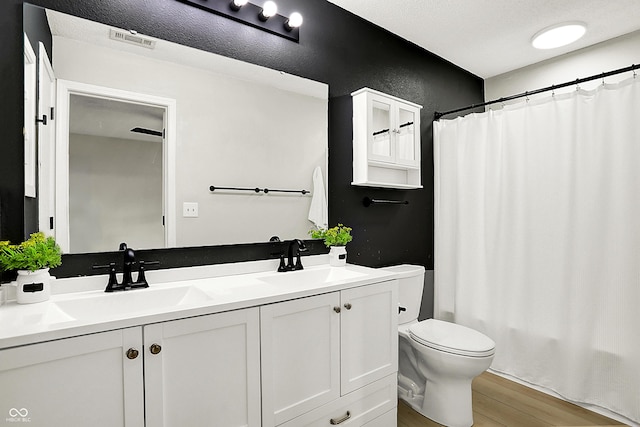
[
  {"x": 198, "y": 371},
  {"x": 330, "y": 357},
  {"x": 386, "y": 141}
]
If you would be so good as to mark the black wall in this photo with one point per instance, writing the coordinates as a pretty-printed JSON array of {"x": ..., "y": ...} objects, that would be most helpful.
[{"x": 335, "y": 47}]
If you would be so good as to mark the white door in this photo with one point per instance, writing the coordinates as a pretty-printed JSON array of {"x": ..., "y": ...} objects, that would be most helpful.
[
  {"x": 203, "y": 371},
  {"x": 300, "y": 350},
  {"x": 46, "y": 143},
  {"x": 369, "y": 338},
  {"x": 74, "y": 382},
  {"x": 29, "y": 130}
]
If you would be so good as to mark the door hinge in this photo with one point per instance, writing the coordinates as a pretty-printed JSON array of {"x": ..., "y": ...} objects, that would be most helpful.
[
  {"x": 50, "y": 223},
  {"x": 163, "y": 220},
  {"x": 51, "y": 115},
  {"x": 43, "y": 120}
]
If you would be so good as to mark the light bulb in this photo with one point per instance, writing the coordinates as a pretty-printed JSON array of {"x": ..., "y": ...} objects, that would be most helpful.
[
  {"x": 268, "y": 10},
  {"x": 558, "y": 35},
  {"x": 294, "y": 21},
  {"x": 237, "y": 4}
]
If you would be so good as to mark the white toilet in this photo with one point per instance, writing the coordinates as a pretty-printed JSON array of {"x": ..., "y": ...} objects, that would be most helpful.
[{"x": 437, "y": 360}]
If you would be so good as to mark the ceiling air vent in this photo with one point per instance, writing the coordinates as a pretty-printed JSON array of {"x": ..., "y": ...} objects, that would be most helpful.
[{"x": 128, "y": 37}]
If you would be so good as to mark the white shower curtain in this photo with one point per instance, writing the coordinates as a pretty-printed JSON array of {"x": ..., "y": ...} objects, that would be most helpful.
[{"x": 537, "y": 239}]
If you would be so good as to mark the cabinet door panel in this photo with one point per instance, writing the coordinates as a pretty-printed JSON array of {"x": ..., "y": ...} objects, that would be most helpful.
[
  {"x": 82, "y": 381},
  {"x": 300, "y": 356},
  {"x": 369, "y": 339},
  {"x": 206, "y": 372},
  {"x": 408, "y": 147},
  {"x": 381, "y": 145}
]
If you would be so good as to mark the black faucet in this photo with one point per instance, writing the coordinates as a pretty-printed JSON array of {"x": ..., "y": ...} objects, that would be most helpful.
[
  {"x": 128, "y": 260},
  {"x": 290, "y": 265}
]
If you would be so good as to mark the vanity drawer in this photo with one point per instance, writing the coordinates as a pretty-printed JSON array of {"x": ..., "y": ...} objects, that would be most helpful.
[
  {"x": 362, "y": 406},
  {"x": 388, "y": 419}
]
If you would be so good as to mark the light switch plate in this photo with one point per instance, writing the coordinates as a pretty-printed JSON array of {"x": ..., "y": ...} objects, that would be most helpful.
[{"x": 190, "y": 209}]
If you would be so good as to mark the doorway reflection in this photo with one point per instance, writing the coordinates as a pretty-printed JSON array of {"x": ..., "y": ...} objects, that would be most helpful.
[{"x": 115, "y": 174}]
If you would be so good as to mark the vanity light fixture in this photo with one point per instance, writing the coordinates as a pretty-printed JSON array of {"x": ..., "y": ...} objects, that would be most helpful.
[
  {"x": 558, "y": 35},
  {"x": 269, "y": 9},
  {"x": 263, "y": 17}
]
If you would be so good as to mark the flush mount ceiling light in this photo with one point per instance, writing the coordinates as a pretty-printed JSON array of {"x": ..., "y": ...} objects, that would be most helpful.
[{"x": 558, "y": 35}]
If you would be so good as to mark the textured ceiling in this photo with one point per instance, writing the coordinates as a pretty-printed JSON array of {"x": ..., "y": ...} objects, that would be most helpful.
[{"x": 491, "y": 37}]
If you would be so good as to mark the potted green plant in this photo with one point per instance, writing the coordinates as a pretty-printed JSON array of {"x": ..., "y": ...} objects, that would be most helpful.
[
  {"x": 335, "y": 238},
  {"x": 32, "y": 259}
]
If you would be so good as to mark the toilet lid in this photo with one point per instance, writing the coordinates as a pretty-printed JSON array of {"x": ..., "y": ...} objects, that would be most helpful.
[{"x": 452, "y": 338}]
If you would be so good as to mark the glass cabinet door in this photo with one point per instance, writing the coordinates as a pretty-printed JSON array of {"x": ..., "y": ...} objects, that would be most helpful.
[
  {"x": 381, "y": 147},
  {"x": 406, "y": 152}
]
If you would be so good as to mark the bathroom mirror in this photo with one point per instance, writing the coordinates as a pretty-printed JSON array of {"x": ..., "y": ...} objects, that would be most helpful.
[{"x": 238, "y": 125}]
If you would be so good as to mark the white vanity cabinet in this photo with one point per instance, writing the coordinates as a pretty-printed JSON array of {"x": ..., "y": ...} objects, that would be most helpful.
[
  {"x": 197, "y": 371},
  {"x": 81, "y": 381},
  {"x": 386, "y": 141},
  {"x": 316, "y": 347},
  {"x": 203, "y": 371},
  {"x": 330, "y": 359}
]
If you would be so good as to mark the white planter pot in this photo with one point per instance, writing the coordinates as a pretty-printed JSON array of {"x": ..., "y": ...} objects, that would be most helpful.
[
  {"x": 33, "y": 286},
  {"x": 337, "y": 256}
]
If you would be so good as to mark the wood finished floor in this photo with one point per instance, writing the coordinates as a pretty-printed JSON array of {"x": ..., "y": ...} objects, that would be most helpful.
[{"x": 500, "y": 402}]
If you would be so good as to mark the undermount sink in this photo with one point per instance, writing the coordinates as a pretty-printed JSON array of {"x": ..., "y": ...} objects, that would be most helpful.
[
  {"x": 127, "y": 302},
  {"x": 318, "y": 276},
  {"x": 32, "y": 314}
]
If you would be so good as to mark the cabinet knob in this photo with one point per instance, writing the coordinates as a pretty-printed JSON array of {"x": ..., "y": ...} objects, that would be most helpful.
[
  {"x": 155, "y": 348},
  {"x": 132, "y": 353},
  {"x": 336, "y": 309},
  {"x": 348, "y": 306},
  {"x": 334, "y": 421}
]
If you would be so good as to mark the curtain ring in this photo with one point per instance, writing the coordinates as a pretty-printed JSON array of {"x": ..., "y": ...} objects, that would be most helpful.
[
  {"x": 526, "y": 94},
  {"x": 553, "y": 91},
  {"x": 634, "y": 70},
  {"x": 603, "y": 78},
  {"x": 577, "y": 85}
]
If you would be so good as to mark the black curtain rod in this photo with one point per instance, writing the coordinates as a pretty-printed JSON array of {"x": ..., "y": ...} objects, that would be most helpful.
[{"x": 437, "y": 115}]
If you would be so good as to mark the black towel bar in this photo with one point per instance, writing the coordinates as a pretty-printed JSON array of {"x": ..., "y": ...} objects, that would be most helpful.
[
  {"x": 258, "y": 190},
  {"x": 369, "y": 201}
]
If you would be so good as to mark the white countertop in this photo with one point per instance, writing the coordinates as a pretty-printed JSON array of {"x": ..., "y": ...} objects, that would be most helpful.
[{"x": 73, "y": 310}]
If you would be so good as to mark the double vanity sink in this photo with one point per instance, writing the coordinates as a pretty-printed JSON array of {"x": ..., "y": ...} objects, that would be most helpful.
[
  {"x": 200, "y": 292},
  {"x": 235, "y": 344},
  {"x": 74, "y": 313}
]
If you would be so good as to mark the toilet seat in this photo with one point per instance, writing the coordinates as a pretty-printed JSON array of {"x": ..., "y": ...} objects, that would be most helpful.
[{"x": 452, "y": 338}]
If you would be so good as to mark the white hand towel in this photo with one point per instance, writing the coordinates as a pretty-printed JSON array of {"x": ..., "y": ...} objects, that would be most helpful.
[{"x": 318, "y": 213}]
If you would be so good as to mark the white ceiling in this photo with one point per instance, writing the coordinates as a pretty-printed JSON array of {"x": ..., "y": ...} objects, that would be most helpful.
[
  {"x": 491, "y": 37},
  {"x": 113, "y": 119}
]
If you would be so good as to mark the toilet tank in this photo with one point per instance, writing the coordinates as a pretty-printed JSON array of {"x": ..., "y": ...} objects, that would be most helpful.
[{"x": 410, "y": 287}]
